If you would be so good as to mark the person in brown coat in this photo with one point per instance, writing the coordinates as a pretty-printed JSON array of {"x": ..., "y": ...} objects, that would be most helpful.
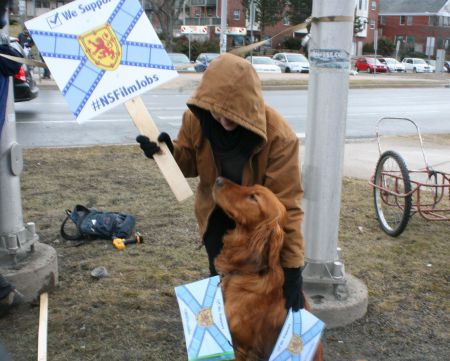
[{"x": 229, "y": 131}]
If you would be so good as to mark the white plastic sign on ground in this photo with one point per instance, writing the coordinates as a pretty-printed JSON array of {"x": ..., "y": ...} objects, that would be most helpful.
[
  {"x": 299, "y": 337},
  {"x": 101, "y": 53},
  {"x": 204, "y": 322}
]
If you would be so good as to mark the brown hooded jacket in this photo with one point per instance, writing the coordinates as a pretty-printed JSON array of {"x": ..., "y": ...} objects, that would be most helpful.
[{"x": 230, "y": 87}]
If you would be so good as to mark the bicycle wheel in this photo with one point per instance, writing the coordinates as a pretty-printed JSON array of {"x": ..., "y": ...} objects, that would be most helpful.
[{"x": 392, "y": 181}]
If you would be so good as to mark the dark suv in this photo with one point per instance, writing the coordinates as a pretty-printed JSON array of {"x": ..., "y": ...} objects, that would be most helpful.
[{"x": 24, "y": 85}]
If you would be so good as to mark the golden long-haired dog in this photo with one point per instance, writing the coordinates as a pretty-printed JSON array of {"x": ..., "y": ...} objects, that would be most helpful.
[{"x": 252, "y": 277}]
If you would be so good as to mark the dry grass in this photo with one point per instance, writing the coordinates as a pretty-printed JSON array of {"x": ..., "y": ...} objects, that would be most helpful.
[{"x": 133, "y": 314}]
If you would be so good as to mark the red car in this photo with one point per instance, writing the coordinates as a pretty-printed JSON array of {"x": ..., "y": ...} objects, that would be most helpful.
[{"x": 370, "y": 65}]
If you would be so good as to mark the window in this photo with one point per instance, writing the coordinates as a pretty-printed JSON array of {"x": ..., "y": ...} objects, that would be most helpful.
[
  {"x": 286, "y": 20},
  {"x": 360, "y": 4},
  {"x": 402, "y": 20},
  {"x": 374, "y": 5},
  {"x": 409, "y": 20},
  {"x": 59, "y": 3},
  {"x": 446, "y": 21},
  {"x": 210, "y": 12},
  {"x": 372, "y": 24},
  {"x": 45, "y": 4},
  {"x": 236, "y": 14},
  {"x": 433, "y": 21},
  {"x": 383, "y": 20}
]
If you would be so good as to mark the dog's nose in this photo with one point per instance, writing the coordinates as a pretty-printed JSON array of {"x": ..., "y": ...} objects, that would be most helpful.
[{"x": 219, "y": 182}]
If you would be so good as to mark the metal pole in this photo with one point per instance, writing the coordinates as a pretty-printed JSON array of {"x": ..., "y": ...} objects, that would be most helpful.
[
  {"x": 14, "y": 236},
  {"x": 223, "y": 27},
  {"x": 375, "y": 47},
  {"x": 252, "y": 20},
  {"x": 329, "y": 51}
]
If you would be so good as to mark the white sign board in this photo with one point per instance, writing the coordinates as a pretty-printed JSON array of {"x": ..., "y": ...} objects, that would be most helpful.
[
  {"x": 204, "y": 322},
  {"x": 101, "y": 53},
  {"x": 191, "y": 29},
  {"x": 299, "y": 337},
  {"x": 232, "y": 30}
]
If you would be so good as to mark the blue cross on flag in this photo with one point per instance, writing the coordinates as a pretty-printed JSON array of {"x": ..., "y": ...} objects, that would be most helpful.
[
  {"x": 299, "y": 337},
  {"x": 204, "y": 322},
  {"x": 101, "y": 53}
]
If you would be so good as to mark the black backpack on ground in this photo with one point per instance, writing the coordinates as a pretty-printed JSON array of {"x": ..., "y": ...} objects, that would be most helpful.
[{"x": 90, "y": 223}]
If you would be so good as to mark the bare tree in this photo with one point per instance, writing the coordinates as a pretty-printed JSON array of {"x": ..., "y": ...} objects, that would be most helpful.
[{"x": 167, "y": 13}]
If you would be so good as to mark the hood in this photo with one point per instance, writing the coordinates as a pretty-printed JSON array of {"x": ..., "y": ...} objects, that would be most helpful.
[{"x": 231, "y": 87}]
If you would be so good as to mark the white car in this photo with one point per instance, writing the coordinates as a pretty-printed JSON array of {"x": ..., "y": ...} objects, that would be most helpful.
[
  {"x": 416, "y": 65},
  {"x": 263, "y": 64},
  {"x": 393, "y": 65},
  {"x": 292, "y": 62}
]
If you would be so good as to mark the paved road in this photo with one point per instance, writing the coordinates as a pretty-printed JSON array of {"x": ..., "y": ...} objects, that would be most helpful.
[{"x": 47, "y": 121}]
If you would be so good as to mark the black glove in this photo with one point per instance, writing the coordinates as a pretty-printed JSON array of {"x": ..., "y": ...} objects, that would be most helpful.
[
  {"x": 150, "y": 148},
  {"x": 293, "y": 288}
]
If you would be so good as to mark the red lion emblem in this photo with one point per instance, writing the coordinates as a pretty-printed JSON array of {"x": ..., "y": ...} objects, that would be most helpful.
[{"x": 102, "y": 48}]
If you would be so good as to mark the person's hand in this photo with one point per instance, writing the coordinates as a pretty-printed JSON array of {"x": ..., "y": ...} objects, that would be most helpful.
[
  {"x": 293, "y": 288},
  {"x": 151, "y": 148}
]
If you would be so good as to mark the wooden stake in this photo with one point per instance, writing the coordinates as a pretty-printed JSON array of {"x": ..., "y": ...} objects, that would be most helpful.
[
  {"x": 166, "y": 163},
  {"x": 43, "y": 321}
]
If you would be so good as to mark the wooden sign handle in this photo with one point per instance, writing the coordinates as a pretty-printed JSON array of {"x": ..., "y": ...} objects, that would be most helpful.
[
  {"x": 166, "y": 163},
  {"x": 43, "y": 321}
]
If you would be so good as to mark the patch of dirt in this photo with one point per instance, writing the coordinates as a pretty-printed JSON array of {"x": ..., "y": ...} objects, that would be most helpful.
[{"x": 133, "y": 314}]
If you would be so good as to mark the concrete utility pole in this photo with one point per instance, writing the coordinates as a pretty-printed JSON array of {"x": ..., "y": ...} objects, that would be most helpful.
[
  {"x": 30, "y": 265},
  {"x": 223, "y": 26},
  {"x": 343, "y": 298}
]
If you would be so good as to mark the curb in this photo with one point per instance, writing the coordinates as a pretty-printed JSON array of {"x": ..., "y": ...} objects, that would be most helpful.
[{"x": 300, "y": 81}]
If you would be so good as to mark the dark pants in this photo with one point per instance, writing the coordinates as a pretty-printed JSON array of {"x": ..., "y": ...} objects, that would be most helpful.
[{"x": 218, "y": 224}]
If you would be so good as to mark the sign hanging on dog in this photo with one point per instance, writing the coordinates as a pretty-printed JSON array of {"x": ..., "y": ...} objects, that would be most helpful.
[
  {"x": 204, "y": 322},
  {"x": 101, "y": 53},
  {"x": 299, "y": 337}
]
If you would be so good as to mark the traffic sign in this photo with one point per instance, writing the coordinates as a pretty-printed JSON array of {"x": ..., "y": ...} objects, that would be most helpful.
[
  {"x": 232, "y": 30},
  {"x": 192, "y": 29}
]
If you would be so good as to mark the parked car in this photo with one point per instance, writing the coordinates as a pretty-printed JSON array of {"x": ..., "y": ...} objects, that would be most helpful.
[
  {"x": 203, "y": 60},
  {"x": 181, "y": 62},
  {"x": 432, "y": 64},
  {"x": 416, "y": 65},
  {"x": 292, "y": 62},
  {"x": 23, "y": 83},
  {"x": 263, "y": 64},
  {"x": 393, "y": 65},
  {"x": 447, "y": 66},
  {"x": 365, "y": 63}
]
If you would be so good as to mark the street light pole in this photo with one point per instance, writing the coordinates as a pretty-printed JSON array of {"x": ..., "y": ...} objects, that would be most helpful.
[
  {"x": 223, "y": 27},
  {"x": 329, "y": 54}
]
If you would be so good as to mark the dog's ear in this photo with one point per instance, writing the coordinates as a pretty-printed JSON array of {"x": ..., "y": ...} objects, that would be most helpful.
[
  {"x": 275, "y": 244},
  {"x": 267, "y": 240}
]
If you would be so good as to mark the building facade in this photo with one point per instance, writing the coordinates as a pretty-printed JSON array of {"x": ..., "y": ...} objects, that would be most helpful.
[{"x": 416, "y": 25}]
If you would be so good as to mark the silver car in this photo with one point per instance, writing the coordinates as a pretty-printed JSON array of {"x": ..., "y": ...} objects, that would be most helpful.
[
  {"x": 292, "y": 62},
  {"x": 393, "y": 65}
]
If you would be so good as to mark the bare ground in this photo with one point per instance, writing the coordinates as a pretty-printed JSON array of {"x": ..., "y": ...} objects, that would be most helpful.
[{"x": 133, "y": 315}]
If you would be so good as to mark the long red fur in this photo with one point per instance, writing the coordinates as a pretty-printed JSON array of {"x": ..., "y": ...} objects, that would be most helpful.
[{"x": 252, "y": 276}]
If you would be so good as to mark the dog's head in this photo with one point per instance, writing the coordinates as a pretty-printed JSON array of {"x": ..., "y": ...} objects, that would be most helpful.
[
  {"x": 248, "y": 206},
  {"x": 256, "y": 242}
]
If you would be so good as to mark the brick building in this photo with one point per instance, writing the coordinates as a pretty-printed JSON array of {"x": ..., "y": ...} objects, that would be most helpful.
[{"x": 416, "y": 25}]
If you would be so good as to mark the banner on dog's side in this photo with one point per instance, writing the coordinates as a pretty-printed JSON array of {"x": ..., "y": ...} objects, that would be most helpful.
[
  {"x": 103, "y": 53},
  {"x": 205, "y": 325},
  {"x": 299, "y": 337}
]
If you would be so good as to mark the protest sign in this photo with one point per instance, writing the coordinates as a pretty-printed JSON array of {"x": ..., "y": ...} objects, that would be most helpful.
[
  {"x": 299, "y": 337},
  {"x": 204, "y": 322},
  {"x": 103, "y": 53}
]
